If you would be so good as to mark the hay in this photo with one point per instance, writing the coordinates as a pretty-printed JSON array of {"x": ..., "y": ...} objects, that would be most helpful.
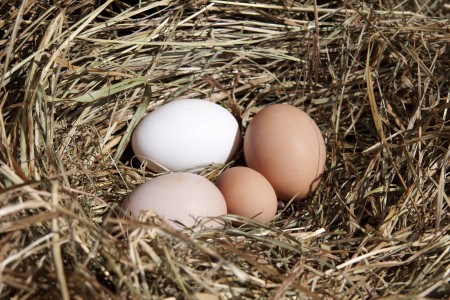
[{"x": 77, "y": 76}]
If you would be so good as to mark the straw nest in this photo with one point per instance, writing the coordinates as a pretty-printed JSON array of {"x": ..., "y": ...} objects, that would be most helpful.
[{"x": 77, "y": 76}]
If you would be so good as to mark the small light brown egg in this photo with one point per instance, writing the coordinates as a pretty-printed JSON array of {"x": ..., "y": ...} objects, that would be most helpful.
[
  {"x": 248, "y": 194},
  {"x": 182, "y": 197},
  {"x": 285, "y": 145}
]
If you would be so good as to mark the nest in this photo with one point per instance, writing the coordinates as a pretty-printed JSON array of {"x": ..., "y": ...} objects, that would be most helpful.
[{"x": 77, "y": 76}]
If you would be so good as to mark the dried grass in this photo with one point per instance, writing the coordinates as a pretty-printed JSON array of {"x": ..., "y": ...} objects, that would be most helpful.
[{"x": 77, "y": 76}]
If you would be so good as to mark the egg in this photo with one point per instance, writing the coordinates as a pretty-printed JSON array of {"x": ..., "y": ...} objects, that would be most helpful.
[
  {"x": 186, "y": 135},
  {"x": 178, "y": 197},
  {"x": 248, "y": 194},
  {"x": 285, "y": 145}
]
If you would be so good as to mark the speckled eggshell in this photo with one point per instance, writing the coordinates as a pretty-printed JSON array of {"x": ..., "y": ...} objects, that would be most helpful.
[
  {"x": 285, "y": 145},
  {"x": 248, "y": 194},
  {"x": 186, "y": 135},
  {"x": 184, "y": 197}
]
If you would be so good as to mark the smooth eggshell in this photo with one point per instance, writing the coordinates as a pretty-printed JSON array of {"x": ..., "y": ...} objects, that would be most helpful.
[
  {"x": 184, "y": 197},
  {"x": 248, "y": 194},
  {"x": 285, "y": 145},
  {"x": 186, "y": 135}
]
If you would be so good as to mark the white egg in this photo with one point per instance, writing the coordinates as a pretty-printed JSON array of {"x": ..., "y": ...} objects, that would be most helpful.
[{"x": 186, "y": 135}]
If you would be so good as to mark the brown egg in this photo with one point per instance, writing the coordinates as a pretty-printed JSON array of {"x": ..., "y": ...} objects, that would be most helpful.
[
  {"x": 248, "y": 194},
  {"x": 180, "y": 197},
  {"x": 285, "y": 145}
]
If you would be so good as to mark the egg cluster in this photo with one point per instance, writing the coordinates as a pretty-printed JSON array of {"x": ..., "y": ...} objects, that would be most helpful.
[{"x": 283, "y": 147}]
